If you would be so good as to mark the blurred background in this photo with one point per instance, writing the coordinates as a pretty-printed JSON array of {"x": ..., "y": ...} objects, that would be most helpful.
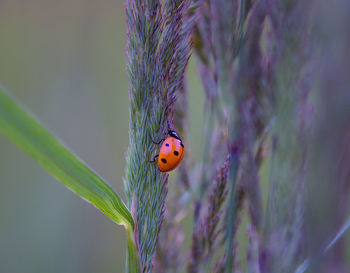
[{"x": 65, "y": 61}]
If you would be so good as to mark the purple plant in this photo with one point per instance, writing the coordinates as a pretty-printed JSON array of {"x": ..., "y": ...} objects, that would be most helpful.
[
  {"x": 257, "y": 61},
  {"x": 158, "y": 49},
  {"x": 206, "y": 232}
]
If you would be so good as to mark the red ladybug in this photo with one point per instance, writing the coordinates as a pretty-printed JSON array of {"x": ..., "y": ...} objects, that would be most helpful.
[{"x": 170, "y": 153}]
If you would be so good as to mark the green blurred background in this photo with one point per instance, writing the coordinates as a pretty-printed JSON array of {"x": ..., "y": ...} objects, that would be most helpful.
[{"x": 65, "y": 60}]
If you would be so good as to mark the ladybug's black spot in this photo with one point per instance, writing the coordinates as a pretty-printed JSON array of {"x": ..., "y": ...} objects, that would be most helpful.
[
  {"x": 163, "y": 160},
  {"x": 167, "y": 144},
  {"x": 176, "y": 153}
]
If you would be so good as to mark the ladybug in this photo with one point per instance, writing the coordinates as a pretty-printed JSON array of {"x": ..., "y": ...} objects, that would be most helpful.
[{"x": 170, "y": 153}]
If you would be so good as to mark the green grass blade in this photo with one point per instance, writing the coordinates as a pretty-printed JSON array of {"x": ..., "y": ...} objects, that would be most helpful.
[
  {"x": 133, "y": 261},
  {"x": 32, "y": 137}
]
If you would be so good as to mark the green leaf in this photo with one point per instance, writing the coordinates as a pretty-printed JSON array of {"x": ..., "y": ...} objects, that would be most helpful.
[
  {"x": 32, "y": 137},
  {"x": 133, "y": 260}
]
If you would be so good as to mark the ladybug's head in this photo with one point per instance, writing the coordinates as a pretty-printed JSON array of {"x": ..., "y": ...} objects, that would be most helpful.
[{"x": 172, "y": 133}]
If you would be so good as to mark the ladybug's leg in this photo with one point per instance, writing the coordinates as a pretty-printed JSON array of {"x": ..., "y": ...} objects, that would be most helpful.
[
  {"x": 159, "y": 141},
  {"x": 169, "y": 130},
  {"x": 154, "y": 159}
]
